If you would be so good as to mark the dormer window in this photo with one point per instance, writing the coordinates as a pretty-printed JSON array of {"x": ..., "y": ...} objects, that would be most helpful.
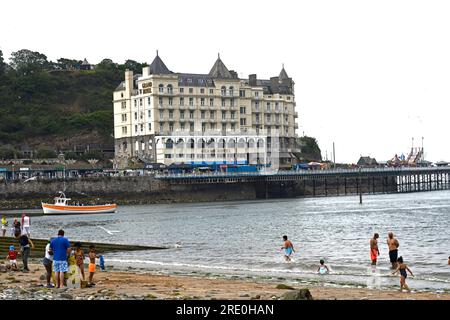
[{"x": 161, "y": 88}]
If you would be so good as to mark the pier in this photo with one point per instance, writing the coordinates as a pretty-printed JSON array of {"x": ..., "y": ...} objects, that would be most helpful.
[{"x": 326, "y": 182}]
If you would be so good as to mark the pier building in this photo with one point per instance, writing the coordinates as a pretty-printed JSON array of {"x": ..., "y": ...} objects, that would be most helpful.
[{"x": 161, "y": 116}]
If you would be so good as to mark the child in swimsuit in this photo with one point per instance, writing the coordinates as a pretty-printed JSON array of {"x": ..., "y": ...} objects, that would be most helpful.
[
  {"x": 79, "y": 258},
  {"x": 402, "y": 268},
  {"x": 323, "y": 269},
  {"x": 288, "y": 248}
]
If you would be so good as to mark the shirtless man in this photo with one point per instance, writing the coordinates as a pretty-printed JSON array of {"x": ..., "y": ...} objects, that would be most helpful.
[
  {"x": 288, "y": 248},
  {"x": 374, "y": 252},
  {"x": 393, "y": 249}
]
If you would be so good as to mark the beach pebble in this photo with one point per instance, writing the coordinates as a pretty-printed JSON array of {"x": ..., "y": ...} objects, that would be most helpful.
[
  {"x": 42, "y": 277},
  {"x": 66, "y": 296},
  {"x": 244, "y": 295},
  {"x": 302, "y": 294}
]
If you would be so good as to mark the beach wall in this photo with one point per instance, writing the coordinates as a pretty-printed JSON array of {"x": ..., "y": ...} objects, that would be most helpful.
[{"x": 121, "y": 190}]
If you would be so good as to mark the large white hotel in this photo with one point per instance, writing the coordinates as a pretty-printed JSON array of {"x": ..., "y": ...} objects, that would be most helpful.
[{"x": 167, "y": 117}]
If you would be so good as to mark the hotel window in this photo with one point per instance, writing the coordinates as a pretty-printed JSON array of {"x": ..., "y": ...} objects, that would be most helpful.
[
  {"x": 124, "y": 104},
  {"x": 140, "y": 102},
  {"x": 161, "y": 88},
  {"x": 242, "y": 93},
  {"x": 202, "y": 115},
  {"x": 160, "y": 101},
  {"x": 191, "y": 127},
  {"x": 223, "y": 102},
  {"x": 171, "y": 127},
  {"x": 231, "y": 91},
  {"x": 170, "y": 114},
  {"x": 276, "y": 106},
  {"x": 191, "y": 102},
  {"x": 191, "y": 90},
  {"x": 243, "y": 122},
  {"x": 141, "y": 115},
  {"x": 182, "y": 126},
  {"x": 242, "y": 110},
  {"x": 289, "y": 98},
  {"x": 233, "y": 115},
  {"x": 149, "y": 127},
  {"x": 232, "y": 102},
  {"x": 191, "y": 115},
  {"x": 256, "y": 105},
  {"x": 233, "y": 126},
  {"x": 202, "y": 102},
  {"x": 213, "y": 126},
  {"x": 135, "y": 128},
  {"x": 212, "y": 114},
  {"x": 257, "y": 94},
  {"x": 121, "y": 95},
  {"x": 124, "y": 117},
  {"x": 224, "y": 126},
  {"x": 268, "y": 106},
  {"x": 181, "y": 101},
  {"x": 223, "y": 91},
  {"x": 124, "y": 130},
  {"x": 170, "y": 101},
  {"x": 142, "y": 127},
  {"x": 161, "y": 127},
  {"x": 211, "y": 102},
  {"x": 135, "y": 103},
  {"x": 211, "y": 91},
  {"x": 224, "y": 114},
  {"x": 135, "y": 116},
  {"x": 203, "y": 127},
  {"x": 202, "y": 91},
  {"x": 268, "y": 118},
  {"x": 169, "y": 89},
  {"x": 181, "y": 114},
  {"x": 181, "y": 90},
  {"x": 149, "y": 114},
  {"x": 149, "y": 101},
  {"x": 161, "y": 114}
]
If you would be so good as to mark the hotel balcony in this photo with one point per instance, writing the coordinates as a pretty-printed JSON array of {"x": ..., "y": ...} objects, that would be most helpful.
[
  {"x": 192, "y": 108},
  {"x": 183, "y": 107},
  {"x": 295, "y": 114}
]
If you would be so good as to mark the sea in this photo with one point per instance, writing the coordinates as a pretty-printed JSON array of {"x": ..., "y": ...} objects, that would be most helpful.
[{"x": 243, "y": 239}]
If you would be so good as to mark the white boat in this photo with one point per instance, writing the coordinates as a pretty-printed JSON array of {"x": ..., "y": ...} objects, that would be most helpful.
[{"x": 62, "y": 206}]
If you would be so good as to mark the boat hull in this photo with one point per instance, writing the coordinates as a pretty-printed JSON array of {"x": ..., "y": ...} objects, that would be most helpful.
[{"x": 55, "y": 209}]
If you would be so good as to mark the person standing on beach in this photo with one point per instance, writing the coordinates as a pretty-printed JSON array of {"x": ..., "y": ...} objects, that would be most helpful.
[
  {"x": 288, "y": 248},
  {"x": 374, "y": 252},
  {"x": 48, "y": 262},
  {"x": 26, "y": 224},
  {"x": 393, "y": 245},
  {"x": 4, "y": 225},
  {"x": 92, "y": 256},
  {"x": 25, "y": 243},
  {"x": 60, "y": 247},
  {"x": 79, "y": 258}
]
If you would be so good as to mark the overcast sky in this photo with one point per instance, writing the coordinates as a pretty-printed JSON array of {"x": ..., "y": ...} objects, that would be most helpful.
[{"x": 369, "y": 75}]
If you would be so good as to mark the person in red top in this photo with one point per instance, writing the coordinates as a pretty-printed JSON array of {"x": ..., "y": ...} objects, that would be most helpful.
[{"x": 12, "y": 257}]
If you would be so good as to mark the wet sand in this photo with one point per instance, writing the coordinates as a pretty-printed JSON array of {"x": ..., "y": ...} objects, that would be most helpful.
[{"x": 136, "y": 284}]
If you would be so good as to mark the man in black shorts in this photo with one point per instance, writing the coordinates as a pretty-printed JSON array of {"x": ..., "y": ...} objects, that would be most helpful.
[{"x": 393, "y": 249}]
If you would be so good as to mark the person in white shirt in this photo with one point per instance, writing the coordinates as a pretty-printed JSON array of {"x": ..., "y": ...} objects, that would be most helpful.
[
  {"x": 48, "y": 262},
  {"x": 25, "y": 224}
]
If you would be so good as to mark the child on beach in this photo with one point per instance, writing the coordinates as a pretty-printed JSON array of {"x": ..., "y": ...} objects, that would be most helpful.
[
  {"x": 402, "y": 267},
  {"x": 323, "y": 269},
  {"x": 4, "y": 225},
  {"x": 79, "y": 258},
  {"x": 92, "y": 256},
  {"x": 12, "y": 257}
]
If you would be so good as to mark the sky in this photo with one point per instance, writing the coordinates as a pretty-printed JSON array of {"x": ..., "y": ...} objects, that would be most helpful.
[{"x": 370, "y": 76}]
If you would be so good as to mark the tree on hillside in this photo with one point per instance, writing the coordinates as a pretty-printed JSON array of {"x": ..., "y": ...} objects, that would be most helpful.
[
  {"x": 69, "y": 64},
  {"x": 106, "y": 64},
  {"x": 310, "y": 148},
  {"x": 27, "y": 62},
  {"x": 2, "y": 63},
  {"x": 135, "y": 66}
]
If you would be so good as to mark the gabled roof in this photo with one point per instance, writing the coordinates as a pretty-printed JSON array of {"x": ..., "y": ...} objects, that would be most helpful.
[
  {"x": 85, "y": 62},
  {"x": 158, "y": 66},
  {"x": 219, "y": 70},
  {"x": 283, "y": 75}
]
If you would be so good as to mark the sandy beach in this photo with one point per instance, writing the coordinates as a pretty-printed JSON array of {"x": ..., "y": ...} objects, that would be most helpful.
[{"x": 137, "y": 284}]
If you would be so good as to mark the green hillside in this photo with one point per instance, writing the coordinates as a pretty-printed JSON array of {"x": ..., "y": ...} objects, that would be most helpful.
[{"x": 41, "y": 100}]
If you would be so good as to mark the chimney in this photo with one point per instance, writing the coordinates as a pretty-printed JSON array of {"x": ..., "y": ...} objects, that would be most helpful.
[
  {"x": 128, "y": 81},
  {"x": 252, "y": 80},
  {"x": 146, "y": 71}
]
